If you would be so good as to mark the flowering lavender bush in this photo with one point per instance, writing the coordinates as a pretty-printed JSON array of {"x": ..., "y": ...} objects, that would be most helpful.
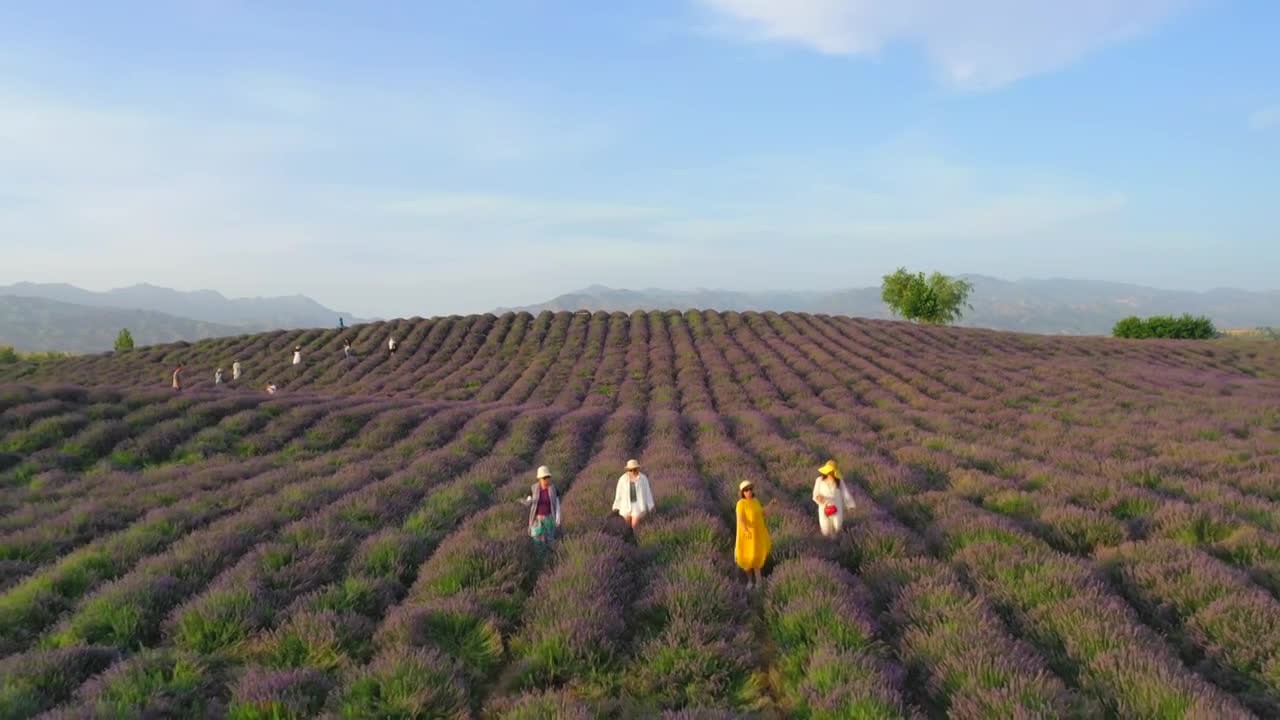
[{"x": 1045, "y": 527}]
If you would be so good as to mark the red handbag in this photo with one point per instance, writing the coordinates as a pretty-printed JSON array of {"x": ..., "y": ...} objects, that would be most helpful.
[{"x": 830, "y": 509}]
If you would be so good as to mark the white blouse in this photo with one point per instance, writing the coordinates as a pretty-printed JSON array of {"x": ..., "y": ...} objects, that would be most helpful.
[
  {"x": 622, "y": 496},
  {"x": 833, "y": 494}
]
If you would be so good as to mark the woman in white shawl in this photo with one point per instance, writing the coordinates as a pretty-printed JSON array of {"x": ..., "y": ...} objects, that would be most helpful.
[
  {"x": 832, "y": 498},
  {"x": 633, "y": 497}
]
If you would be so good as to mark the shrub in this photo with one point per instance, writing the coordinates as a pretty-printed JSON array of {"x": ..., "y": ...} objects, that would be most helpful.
[
  {"x": 36, "y": 681},
  {"x": 278, "y": 695},
  {"x": 1185, "y": 327},
  {"x": 405, "y": 684},
  {"x": 155, "y": 683}
]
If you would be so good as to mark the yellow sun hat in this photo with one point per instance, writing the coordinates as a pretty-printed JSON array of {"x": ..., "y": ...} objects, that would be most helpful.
[{"x": 830, "y": 469}]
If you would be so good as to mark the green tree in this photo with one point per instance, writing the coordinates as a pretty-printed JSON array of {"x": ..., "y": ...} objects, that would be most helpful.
[
  {"x": 124, "y": 341},
  {"x": 936, "y": 299},
  {"x": 7, "y": 355},
  {"x": 1132, "y": 327},
  {"x": 1185, "y": 327}
]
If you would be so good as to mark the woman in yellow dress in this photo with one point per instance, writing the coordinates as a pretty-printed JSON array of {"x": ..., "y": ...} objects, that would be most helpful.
[{"x": 752, "y": 546}]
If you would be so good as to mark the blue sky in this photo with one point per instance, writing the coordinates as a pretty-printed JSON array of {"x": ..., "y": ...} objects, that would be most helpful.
[{"x": 419, "y": 158}]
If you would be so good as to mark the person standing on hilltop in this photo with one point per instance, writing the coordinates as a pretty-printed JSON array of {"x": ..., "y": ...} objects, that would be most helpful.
[
  {"x": 297, "y": 354},
  {"x": 391, "y": 344},
  {"x": 751, "y": 549},
  {"x": 177, "y": 378},
  {"x": 832, "y": 498},
  {"x": 235, "y": 370},
  {"x": 633, "y": 497}
]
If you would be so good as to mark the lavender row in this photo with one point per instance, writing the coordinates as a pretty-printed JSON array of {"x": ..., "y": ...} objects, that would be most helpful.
[
  {"x": 1215, "y": 614},
  {"x": 323, "y": 631},
  {"x": 466, "y": 597}
]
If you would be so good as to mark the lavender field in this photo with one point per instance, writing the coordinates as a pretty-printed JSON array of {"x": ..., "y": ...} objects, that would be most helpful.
[{"x": 1046, "y": 527}]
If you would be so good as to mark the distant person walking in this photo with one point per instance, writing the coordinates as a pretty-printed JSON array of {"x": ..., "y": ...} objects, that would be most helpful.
[
  {"x": 217, "y": 377},
  {"x": 235, "y": 370},
  {"x": 346, "y": 349},
  {"x": 832, "y": 498},
  {"x": 297, "y": 354},
  {"x": 544, "y": 508},
  {"x": 341, "y": 325},
  {"x": 392, "y": 345},
  {"x": 633, "y": 498},
  {"x": 751, "y": 549},
  {"x": 271, "y": 388},
  {"x": 177, "y": 378}
]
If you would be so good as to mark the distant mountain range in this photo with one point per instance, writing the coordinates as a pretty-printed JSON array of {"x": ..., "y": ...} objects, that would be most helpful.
[
  {"x": 39, "y": 324},
  {"x": 55, "y": 316},
  {"x": 1050, "y": 306},
  {"x": 35, "y": 316}
]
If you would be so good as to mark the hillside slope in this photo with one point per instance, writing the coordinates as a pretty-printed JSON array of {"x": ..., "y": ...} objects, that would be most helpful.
[
  {"x": 468, "y": 358},
  {"x": 1052, "y": 306},
  {"x": 1040, "y": 527}
]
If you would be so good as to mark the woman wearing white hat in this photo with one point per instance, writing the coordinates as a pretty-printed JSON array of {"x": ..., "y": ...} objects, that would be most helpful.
[
  {"x": 544, "y": 507},
  {"x": 633, "y": 498},
  {"x": 831, "y": 497}
]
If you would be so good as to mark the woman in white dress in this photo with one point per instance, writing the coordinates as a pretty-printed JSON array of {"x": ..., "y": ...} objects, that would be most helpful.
[
  {"x": 633, "y": 497},
  {"x": 832, "y": 498},
  {"x": 297, "y": 354}
]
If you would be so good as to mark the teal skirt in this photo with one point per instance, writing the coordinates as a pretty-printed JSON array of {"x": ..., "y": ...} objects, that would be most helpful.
[{"x": 544, "y": 528}]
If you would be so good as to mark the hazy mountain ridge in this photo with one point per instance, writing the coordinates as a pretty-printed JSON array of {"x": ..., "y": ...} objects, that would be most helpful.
[
  {"x": 38, "y": 324},
  {"x": 58, "y": 316},
  {"x": 256, "y": 313},
  {"x": 1053, "y": 305}
]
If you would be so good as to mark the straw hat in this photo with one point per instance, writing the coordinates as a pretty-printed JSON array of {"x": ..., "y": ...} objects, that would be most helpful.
[
  {"x": 633, "y": 465},
  {"x": 544, "y": 472},
  {"x": 744, "y": 485},
  {"x": 830, "y": 469}
]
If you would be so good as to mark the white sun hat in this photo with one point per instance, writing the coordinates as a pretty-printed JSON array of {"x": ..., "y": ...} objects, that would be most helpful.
[
  {"x": 544, "y": 472},
  {"x": 633, "y": 465}
]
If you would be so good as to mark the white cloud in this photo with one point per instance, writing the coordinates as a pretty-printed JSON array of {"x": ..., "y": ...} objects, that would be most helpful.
[
  {"x": 1265, "y": 119},
  {"x": 977, "y": 44}
]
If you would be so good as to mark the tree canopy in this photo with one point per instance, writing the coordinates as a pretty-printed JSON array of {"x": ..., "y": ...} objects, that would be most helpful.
[
  {"x": 1165, "y": 326},
  {"x": 936, "y": 299},
  {"x": 124, "y": 341}
]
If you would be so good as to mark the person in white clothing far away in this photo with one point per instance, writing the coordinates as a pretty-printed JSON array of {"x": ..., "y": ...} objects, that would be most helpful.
[
  {"x": 297, "y": 354},
  {"x": 235, "y": 370},
  {"x": 217, "y": 377},
  {"x": 832, "y": 498},
  {"x": 633, "y": 497}
]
